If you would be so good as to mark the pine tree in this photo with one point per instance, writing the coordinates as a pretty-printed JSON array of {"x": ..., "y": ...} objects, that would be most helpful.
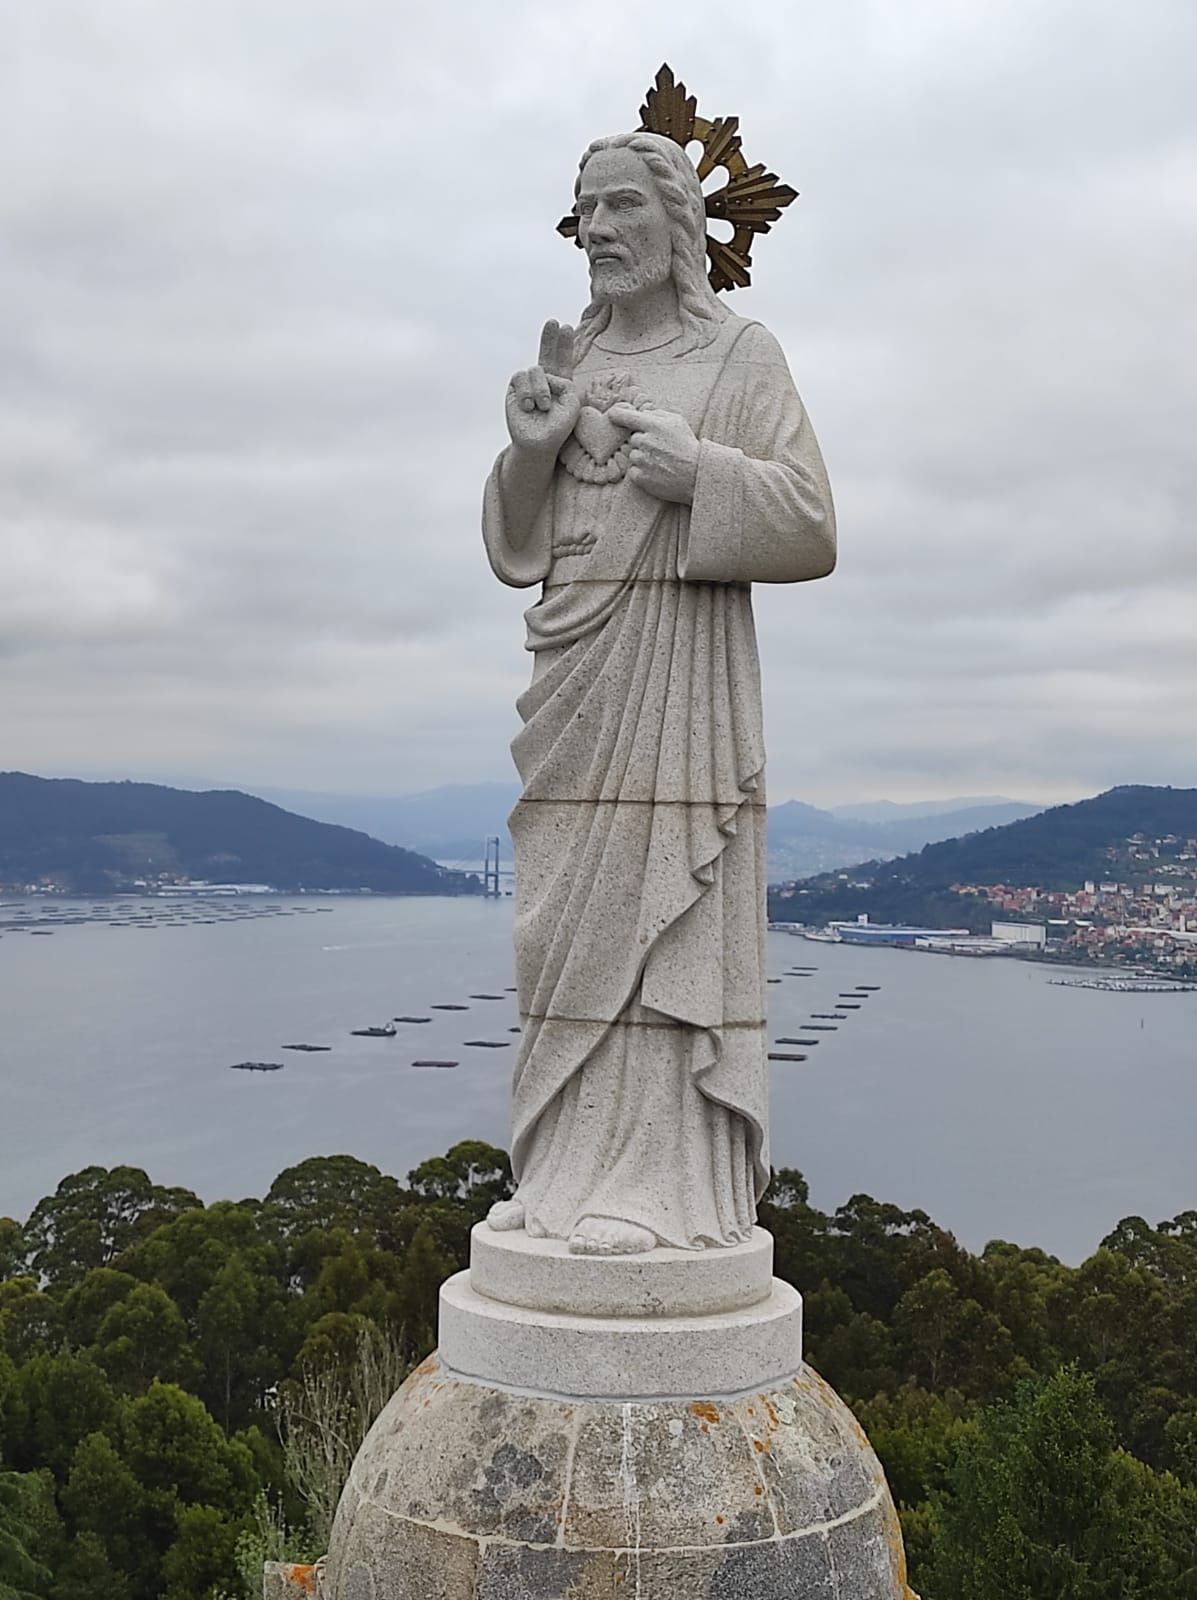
[
  {"x": 1041, "y": 1505},
  {"x": 21, "y": 1576}
]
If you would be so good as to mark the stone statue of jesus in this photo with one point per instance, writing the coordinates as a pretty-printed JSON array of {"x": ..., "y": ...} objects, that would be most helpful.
[{"x": 660, "y": 463}]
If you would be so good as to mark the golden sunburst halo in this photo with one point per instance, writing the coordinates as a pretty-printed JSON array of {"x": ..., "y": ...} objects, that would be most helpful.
[{"x": 752, "y": 199}]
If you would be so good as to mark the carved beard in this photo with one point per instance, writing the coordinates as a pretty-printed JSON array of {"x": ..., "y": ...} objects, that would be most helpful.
[{"x": 619, "y": 280}]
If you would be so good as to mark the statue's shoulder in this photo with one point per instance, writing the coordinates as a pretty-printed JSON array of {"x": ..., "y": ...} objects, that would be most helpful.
[{"x": 749, "y": 343}]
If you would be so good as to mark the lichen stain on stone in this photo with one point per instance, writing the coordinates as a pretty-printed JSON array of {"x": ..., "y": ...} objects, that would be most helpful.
[
  {"x": 510, "y": 1469},
  {"x": 761, "y": 1446},
  {"x": 492, "y": 1412},
  {"x": 705, "y": 1410},
  {"x": 427, "y": 1367},
  {"x": 300, "y": 1576},
  {"x": 785, "y": 1411},
  {"x": 897, "y": 1549},
  {"x": 530, "y": 1527}
]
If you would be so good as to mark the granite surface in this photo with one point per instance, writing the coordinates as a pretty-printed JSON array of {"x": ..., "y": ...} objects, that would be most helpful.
[
  {"x": 624, "y": 1357},
  {"x": 543, "y": 1275},
  {"x": 466, "y": 1492}
]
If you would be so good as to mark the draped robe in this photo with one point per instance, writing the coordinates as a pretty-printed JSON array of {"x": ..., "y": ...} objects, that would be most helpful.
[{"x": 641, "y": 1089}]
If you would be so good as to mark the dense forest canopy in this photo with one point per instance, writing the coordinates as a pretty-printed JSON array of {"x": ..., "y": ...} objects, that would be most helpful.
[
  {"x": 92, "y": 838},
  {"x": 161, "y": 1362}
]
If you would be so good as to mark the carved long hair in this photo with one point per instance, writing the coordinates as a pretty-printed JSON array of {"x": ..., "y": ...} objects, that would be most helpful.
[{"x": 676, "y": 181}]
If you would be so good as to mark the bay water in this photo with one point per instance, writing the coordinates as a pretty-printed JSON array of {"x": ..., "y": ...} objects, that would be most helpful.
[{"x": 1004, "y": 1105}]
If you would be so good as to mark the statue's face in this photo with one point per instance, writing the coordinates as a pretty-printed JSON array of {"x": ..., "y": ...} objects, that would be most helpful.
[{"x": 624, "y": 227}]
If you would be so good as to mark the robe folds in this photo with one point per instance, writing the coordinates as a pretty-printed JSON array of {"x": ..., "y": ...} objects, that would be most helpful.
[{"x": 641, "y": 1087}]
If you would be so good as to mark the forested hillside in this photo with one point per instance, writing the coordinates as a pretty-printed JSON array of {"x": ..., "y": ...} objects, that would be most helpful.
[
  {"x": 1056, "y": 849},
  {"x": 171, "y": 1375},
  {"x": 1061, "y": 847},
  {"x": 96, "y": 837}
]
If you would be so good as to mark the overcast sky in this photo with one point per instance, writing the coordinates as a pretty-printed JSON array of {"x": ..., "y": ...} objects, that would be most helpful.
[{"x": 266, "y": 266}]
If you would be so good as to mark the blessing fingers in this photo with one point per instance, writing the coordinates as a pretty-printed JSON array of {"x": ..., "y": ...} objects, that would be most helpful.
[{"x": 531, "y": 390}]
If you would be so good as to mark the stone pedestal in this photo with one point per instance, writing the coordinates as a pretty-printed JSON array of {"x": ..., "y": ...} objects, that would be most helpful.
[{"x": 675, "y": 1450}]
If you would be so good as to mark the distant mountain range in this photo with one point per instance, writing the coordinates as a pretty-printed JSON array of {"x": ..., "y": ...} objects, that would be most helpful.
[
  {"x": 897, "y": 811},
  {"x": 1060, "y": 848},
  {"x": 803, "y": 839},
  {"x": 450, "y": 824},
  {"x": 98, "y": 837}
]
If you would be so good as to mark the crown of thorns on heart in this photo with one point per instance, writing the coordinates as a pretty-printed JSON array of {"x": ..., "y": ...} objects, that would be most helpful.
[{"x": 751, "y": 200}]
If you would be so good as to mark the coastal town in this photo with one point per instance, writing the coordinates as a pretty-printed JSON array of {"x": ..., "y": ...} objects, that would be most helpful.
[{"x": 1142, "y": 917}]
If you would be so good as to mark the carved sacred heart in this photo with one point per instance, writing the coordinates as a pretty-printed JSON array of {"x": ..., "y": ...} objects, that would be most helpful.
[{"x": 597, "y": 435}]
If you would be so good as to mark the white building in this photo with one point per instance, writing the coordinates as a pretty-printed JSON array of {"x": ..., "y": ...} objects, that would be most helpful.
[{"x": 1026, "y": 933}]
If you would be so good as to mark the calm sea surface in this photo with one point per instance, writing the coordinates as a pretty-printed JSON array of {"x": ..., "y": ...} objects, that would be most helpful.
[{"x": 1004, "y": 1106}]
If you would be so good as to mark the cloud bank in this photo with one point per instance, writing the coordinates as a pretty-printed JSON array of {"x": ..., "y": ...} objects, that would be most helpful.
[{"x": 266, "y": 270}]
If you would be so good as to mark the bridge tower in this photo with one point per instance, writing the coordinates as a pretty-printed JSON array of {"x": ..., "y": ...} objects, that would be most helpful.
[{"x": 490, "y": 870}]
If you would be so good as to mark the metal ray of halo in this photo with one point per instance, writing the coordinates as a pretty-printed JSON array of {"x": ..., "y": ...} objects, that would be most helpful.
[{"x": 752, "y": 199}]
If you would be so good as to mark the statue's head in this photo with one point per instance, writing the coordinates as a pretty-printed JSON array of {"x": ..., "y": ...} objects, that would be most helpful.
[{"x": 641, "y": 221}]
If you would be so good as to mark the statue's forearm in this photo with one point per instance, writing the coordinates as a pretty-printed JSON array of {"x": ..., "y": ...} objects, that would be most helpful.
[{"x": 524, "y": 480}]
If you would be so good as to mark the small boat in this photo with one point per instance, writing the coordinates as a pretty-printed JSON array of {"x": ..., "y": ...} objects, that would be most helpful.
[
  {"x": 821, "y": 1027},
  {"x": 413, "y": 1019},
  {"x": 785, "y": 1039},
  {"x": 309, "y": 1047},
  {"x": 772, "y": 980},
  {"x": 449, "y": 1007},
  {"x": 827, "y": 1016},
  {"x": 486, "y": 997},
  {"x": 780, "y": 1055},
  {"x": 848, "y": 1006},
  {"x": 869, "y": 988},
  {"x": 434, "y": 1063},
  {"x": 387, "y": 1032},
  {"x": 488, "y": 1044},
  {"x": 256, "y": 1066}
]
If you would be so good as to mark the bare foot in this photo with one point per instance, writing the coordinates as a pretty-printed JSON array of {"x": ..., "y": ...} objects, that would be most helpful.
[
  {"x": 505, "y": 1216},
  {"x": 605, "y": 1236}
]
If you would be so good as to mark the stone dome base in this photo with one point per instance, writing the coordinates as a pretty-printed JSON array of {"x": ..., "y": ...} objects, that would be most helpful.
[{"x": 465, "y": 1491}]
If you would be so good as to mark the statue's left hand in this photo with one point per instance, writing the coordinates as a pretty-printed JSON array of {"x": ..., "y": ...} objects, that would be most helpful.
[{"x": 663, "y": 458}]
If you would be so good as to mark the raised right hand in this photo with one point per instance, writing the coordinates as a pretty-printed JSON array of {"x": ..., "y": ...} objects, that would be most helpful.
[{"x": 543, "y": 402}]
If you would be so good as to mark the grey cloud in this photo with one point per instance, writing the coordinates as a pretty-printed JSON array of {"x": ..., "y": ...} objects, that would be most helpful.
[{"x": 266, "y": 270}]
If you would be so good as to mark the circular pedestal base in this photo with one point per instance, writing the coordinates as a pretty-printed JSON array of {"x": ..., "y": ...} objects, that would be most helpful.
[
  {"x": 464, "y": 1491},
  {"x": 542, "y": 1275},
  {"x": 629, "y": 1358}
]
